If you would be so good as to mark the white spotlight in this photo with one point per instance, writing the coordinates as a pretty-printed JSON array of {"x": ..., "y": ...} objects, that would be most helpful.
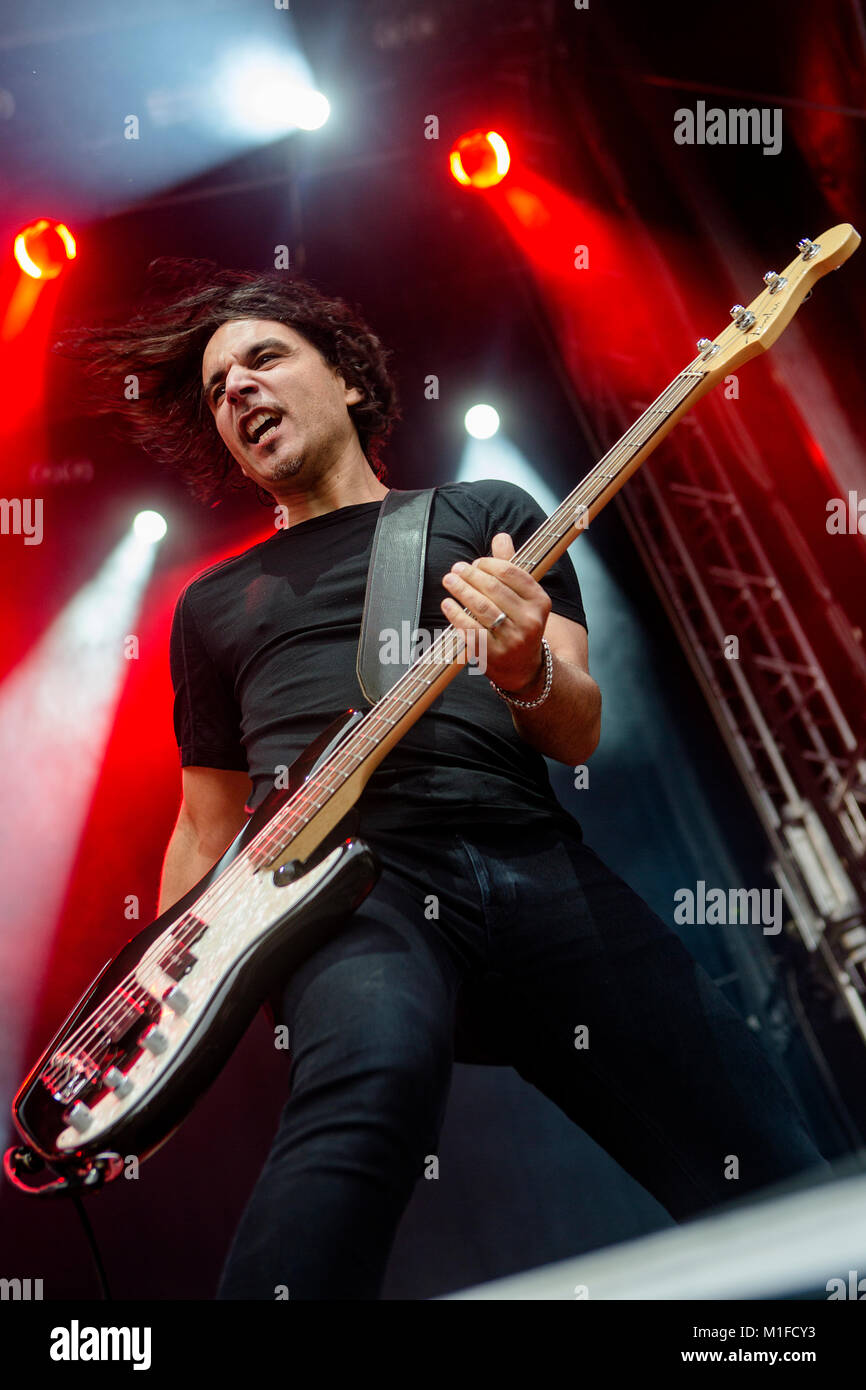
[
  {"x": 311, "y": 109},
  {"x": 150, "y": 527},
  {"x": 266, "y": 94},
  {"x": 57, "y": 708},
  {"x": 481, "y": 421}
]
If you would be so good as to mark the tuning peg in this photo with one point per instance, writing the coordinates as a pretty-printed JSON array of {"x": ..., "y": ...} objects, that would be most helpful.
[
  {"x": 743, "y": 317},
  {"x": 808, "y": 248},
  {"x": 774, "y": 281},
  {"x": 707, "y": 347}
]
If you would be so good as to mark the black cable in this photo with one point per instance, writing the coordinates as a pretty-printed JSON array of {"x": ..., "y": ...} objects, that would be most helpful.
[{"x": 94, "y": 1248}]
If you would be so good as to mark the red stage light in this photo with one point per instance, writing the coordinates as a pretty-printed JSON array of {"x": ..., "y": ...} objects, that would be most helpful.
[
  {"x": 480, "y": 159},
  {"x": 43, "y": 249}
]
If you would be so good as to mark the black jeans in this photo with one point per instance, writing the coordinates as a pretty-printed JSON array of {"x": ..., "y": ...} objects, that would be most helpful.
[{"x": 526, "y": 938}]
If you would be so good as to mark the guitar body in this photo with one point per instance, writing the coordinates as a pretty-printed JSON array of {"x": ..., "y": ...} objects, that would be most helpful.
[{"x": 163, "y": 1016}]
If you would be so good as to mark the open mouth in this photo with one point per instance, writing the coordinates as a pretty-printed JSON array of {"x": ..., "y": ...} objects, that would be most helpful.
[{"x": 261, "y": 426}]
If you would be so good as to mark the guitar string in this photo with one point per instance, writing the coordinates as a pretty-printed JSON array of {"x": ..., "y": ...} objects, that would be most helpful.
[
  {"x": 214, "y": 898},
  {"x": 111, "y": 1011}
]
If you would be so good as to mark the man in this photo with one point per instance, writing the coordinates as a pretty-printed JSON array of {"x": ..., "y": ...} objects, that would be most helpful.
[{"x": 492, "y": 922}]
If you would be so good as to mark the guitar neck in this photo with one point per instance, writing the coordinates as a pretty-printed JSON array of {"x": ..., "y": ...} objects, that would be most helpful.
[
  {"x": 603, "y": 481},
  {"x": 329, "y": 792}
]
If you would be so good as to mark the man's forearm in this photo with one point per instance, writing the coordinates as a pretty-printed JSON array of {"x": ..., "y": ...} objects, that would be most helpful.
[
  {"x": 568, "y": 724},
  {"x": 186, "y": 861}
]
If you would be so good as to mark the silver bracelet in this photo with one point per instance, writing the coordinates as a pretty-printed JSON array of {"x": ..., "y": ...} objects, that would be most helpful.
[{"x": 548, "y": 681}]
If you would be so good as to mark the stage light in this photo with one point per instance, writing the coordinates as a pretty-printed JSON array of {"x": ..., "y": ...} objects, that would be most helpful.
[
  {"x": 57, "y": 708},
  {"x": 268, "y": 94},
  {"x": 480, "y": 159},
  {"x": 43, "y": 249},
  {"x": 311, "y": 109},
  {"x": 481, "y": 421},
  {"x": 150, "y": 527}
]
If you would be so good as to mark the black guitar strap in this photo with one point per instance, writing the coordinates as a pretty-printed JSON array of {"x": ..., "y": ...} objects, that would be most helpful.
[{"x": 395, "y": 583}]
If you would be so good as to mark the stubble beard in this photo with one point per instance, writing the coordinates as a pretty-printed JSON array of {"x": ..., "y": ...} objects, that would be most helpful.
[{"x": 287, "y": 468}]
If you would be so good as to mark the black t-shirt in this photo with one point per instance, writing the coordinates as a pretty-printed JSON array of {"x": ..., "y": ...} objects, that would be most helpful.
[{"x": 263, "y": 652}]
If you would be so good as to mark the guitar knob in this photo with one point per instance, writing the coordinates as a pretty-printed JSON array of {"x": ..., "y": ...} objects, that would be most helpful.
[
  {"x": 176, "y": 1000},
  {"x": 79, "y": 1116},
  {"x": 117, "y": 1082},
  {"x": 155, "y": 1040}
]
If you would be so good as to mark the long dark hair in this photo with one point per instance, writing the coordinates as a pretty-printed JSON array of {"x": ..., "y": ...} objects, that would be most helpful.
[{"x": 147, "y": 371}]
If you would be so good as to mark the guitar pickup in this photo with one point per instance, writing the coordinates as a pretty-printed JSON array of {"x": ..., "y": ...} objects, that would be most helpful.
[
  {"x": 179, "y": 960},
  {"x": 177, "y": 965}
]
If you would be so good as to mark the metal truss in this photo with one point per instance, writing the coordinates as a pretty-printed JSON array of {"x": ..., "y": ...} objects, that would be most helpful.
[
  {"x": 788, "y": 732},
  {"x": 798, "y": 744}
]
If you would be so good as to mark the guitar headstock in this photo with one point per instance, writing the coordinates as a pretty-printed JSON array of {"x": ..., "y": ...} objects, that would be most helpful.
[{"x": 756, "y": 326}]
